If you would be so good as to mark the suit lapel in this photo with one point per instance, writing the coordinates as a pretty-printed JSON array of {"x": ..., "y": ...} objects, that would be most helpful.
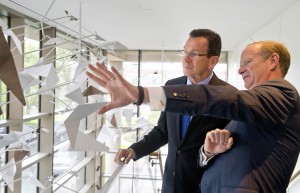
[
  {"x": 178, "y": 128},
  {"x": 182, "y": 81},
  {"x": 213, "y": 81}
]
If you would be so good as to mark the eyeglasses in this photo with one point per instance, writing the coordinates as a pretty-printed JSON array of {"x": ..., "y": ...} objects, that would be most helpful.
[{"x": 190, "y": 54}]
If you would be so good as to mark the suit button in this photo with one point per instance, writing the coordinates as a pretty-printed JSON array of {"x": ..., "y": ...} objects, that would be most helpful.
[
  {"x": 173, "y": 173},
  {"x": 178, "y": 152},
  {"x": 175, "y": 94}
]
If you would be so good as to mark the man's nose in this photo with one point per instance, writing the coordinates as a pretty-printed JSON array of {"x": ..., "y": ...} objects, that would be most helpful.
[{"x": 241, "y": 70}]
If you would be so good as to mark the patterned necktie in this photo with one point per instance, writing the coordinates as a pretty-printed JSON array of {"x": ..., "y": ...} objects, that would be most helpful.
[{"x": 185, "y": 121}]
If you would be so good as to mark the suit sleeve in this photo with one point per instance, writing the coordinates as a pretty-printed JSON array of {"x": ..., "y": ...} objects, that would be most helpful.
[{"x": 269, "y": 104}]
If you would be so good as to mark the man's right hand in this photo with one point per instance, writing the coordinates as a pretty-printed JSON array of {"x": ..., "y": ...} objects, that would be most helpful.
[
  {"x": 124, "y": 155},
  {"x": 217, "y": 141}
]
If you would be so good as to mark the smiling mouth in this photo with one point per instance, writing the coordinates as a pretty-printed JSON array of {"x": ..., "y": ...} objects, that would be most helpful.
[{"x": 244, "y": 77}]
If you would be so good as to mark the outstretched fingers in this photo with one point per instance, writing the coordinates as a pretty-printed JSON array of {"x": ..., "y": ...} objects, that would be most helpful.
[
  {"x": 105, "y": 73},
  {"x": 96, "y": 75}
]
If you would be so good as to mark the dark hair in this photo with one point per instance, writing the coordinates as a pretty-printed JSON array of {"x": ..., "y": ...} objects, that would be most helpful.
[{"x": 214, "y": 40}]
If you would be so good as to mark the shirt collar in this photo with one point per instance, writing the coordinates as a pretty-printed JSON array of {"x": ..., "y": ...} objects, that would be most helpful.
[{"x": 205, "y": 81}]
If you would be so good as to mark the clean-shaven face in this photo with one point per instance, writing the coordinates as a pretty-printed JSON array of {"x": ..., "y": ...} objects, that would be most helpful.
[
  {"x": 197, "y": 67},
  {"x": 253, "y": 68}
]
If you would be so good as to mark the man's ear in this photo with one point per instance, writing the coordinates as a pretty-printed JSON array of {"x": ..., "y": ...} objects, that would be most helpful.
[
  {"x": 213, "y": 61},
  {"x": 274, "y": 61}
]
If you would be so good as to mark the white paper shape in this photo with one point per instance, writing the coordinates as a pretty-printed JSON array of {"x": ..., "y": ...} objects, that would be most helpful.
[
  {"x": 117, "y": 114},
  {"x": 108, "y": 45},
  {"x": 76, "y": 96},
  {"x": 78, "y": 139},
  {"x": 48, "y": 71},
  {"x": 8, "y": 172},
  {"x": 112, "y": 179},
  {"x": 87, "y": 143},
  {"x": 15, "y": 38},
  {"x": 19, "y": 145},
  {"x": 80, "y": 79},
  {"x": 141, "y": 122},
  {"x": 50, "y": 80},
  {"x": 81, "y": 67},
  {"x": 30, "y": 178},
  {"x": 7, "y": 139},
  {"x": 107, "y": 134},
  {"x": 128, "y": 114},
  {"x": 53, "y": 41},
  {"x": 45, "y": 130},
  {"x": 28, "y": 80},
  {"x": 40, "y": 61},
  {"x": 36, "y": 182},
  {"x": 97, "y": 37}
]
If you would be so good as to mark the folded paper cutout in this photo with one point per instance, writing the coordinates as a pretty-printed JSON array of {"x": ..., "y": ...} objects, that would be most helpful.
[
  {"x": 78, "y": 140},
  {"x": 128, "y": 114},
  {"x": 91, "y": 90},
  {"x": 8, "y": 172},
  {"x": 7, "y": 139},
  {"x": 18, "y": 44},
  {"x": 8, "y": 71},
  {"x": 114, "y": 117},
  {"x": 107, "y": 134},
  {"x": 20, "y": 154},
  {"x": 76, "y": 96}
]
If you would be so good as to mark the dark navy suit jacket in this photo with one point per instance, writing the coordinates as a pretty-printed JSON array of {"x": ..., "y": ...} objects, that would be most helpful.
[
  {"x": 181, "y": 174},
  {"x": 266, "y": 129}
]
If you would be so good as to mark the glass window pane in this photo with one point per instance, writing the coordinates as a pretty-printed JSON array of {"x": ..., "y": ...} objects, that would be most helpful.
[
  {"x": 3, "y": 106},
  {"x": 74, "y": 184},
  {"x": 26, "y": 174},
  {"x": 31, "y": 57},
  {"x": 31, "y": 49},
  {"x": 60, "y": 133},
  {"x": 64, "y": 161},
  {"x": 30, "y": 136}
]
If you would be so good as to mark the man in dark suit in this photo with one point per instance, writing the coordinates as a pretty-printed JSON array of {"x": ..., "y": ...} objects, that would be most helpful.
[
  {"x": 265, "y": 119},
  {"x": 182, "y": 175}
]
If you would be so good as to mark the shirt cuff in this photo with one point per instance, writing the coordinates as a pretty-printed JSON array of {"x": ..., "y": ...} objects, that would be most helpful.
[
  {"x": 157, "y": 98},
  {"x": 204, "y": 160}
]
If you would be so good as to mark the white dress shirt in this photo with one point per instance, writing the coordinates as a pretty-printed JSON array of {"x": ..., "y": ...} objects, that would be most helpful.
[{"x": 158, "y": 98}]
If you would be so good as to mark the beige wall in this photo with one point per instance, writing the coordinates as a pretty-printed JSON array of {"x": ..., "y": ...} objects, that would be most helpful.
[{"x": 286, "y": 29}]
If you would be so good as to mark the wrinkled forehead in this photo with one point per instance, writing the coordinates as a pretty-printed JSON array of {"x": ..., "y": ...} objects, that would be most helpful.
[{"x": 251, "y": 51}]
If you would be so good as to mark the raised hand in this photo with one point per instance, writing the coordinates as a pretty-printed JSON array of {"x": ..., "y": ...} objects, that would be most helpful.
[{"x": 121, "y": 91}]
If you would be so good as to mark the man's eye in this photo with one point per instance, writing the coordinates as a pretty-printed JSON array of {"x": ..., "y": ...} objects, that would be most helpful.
[
  {"x": 194, "y": 54},
  {"x": 247, "y": 62}
]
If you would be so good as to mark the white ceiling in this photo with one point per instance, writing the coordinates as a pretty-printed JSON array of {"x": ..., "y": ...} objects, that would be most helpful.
[{"x": 157, "y": 24}]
